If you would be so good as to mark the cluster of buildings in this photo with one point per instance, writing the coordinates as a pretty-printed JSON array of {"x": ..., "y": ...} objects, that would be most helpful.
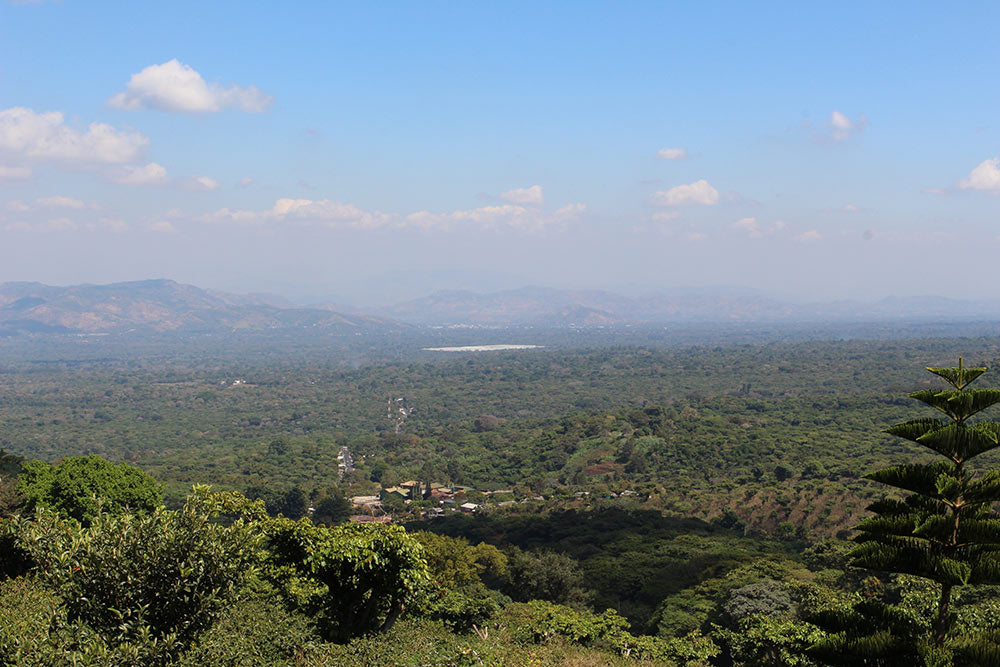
[{"x": 446, "y": 497}]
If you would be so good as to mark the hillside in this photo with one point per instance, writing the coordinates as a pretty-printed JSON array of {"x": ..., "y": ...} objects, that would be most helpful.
[
  {"x": 156, "y": 305},
  {"x": 540, "y": 306}
]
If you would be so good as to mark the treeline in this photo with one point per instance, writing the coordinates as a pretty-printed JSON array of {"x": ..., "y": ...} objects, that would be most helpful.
[
  {"x": 785, "y": 422},
  {"x": 95, "y": 572}
]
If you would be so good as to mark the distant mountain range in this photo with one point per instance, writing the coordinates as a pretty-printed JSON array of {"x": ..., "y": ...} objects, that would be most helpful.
[
  {"x": 157, "y": 305},
  {"x": 168, "y": 306},
  {"x": 542, "y": 306}
]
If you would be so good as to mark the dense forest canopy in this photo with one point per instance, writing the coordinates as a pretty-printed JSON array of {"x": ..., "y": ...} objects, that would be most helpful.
[{"x": 652, "y": 504}]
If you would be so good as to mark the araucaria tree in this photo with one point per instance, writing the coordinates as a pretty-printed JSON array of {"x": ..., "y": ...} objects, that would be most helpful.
[{"x": 944, "y": 526}]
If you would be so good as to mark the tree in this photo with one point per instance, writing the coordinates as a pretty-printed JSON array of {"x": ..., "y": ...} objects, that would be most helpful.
[
  {"x": 545, "y": 575},
  {"x": 352, "y": 579},
  {"x": 150, "y": 583},
  {"x": 332, "y": 510},
  {"x": 945, "y": 528},
  {"x": 291, "y": 503},
  {"x": 453, "y": 562},
  {"x": 79, "y": 484},
  {"x": 427, "y": 473}
]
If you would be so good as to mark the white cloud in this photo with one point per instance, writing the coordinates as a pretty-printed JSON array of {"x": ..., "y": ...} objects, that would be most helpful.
[
  {"x": 26, "y": 135},
  {"x": 811, "y": 235},
  {"x": 851, "y": 208},
  {"x": 201, "y": 184},
  {"x": 14, "y": 173},
  {"x": 151, "y": 174},
  {"x": 60, "y": 202},
  {"x": 174, "y": 86},
  {"x": 324, "y": 212},
  {"x": 330, "y": 213},
  {"x": 672, "y": 154},
  {"x": 750, "y": 226},
  {"x": 17, "y": 206},
  {"x": 984, "y": 177},
  {"x": 532, "y": 195},
  {"x": 246, "y": 182},
  {"x": 754, "y": 230},
  {"x": 162, "y": 226},
  {"x": 842, "y": 127},
  {"x": 506, "y": 216},
  {"x": 699, "y": 192}
]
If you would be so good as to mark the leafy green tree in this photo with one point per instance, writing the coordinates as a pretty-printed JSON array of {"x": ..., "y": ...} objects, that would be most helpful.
[
  {"x": 453, "y": 562},
  {"x": 352, "y": 579},
  {"x": 332, "y": 510},
  {"x": 148, "y": 584},
  {"x": 253, "y": 632},
  {"x": 10, "y": 464},
  {"x": 768, "y": 598},
  {"x": 545, "y": 575},
  {"x": 770, "y": 642},
  {"x": 945, "y": 528},
  {"x": 291, "y": 503},
  {"x": 80, "y": 484}
]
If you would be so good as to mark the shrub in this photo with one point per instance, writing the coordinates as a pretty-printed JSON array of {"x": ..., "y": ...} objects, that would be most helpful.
[
  {"x": 353, "y": 578},
  {"x": 146, "y": 584}
]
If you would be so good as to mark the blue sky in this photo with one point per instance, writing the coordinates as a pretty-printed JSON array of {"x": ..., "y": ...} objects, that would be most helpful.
[{"x": 375, "y": 150}]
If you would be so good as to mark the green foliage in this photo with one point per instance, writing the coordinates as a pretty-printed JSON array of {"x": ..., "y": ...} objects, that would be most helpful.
[
  {"x": 253, "y": 633},
  {"x": 332, "y": 510},
  {"x": 946, "y": 529},
  {"x": 544, "y": 575},
  {"x": 417, "y": 642},
  {"x": 631, "y": 560},
  {"x": 767, "y": 598},
  {"x": 290, "y": 503},
  {"x": 541, "y": 622},
  {"x": 146, "y": 584},
  {"x": 26, "y": 624},
  {"x": 760, "y": 641},
  {"x": 770, "y": 587},
  {"x": 463, "y": 608},
  {"x": 453, "y": 562},
  {"x": 352, "y": 578},
  {"x": 73, "y": 487}
]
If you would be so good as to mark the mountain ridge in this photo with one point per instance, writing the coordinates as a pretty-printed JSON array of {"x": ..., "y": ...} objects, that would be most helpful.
[
  {"x": 156, "y": 305},
  {"x": 164, "y": 305}
]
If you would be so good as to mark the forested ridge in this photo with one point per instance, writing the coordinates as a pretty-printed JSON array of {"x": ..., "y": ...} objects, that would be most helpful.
[{"x": 635, "y": 505}]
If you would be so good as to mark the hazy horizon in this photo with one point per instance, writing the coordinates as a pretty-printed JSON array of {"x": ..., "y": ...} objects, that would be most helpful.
[{"x": 362, "y": 152}]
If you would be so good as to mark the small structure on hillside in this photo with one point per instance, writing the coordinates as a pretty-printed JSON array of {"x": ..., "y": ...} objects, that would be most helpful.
[{"x": 373, "y": 502}]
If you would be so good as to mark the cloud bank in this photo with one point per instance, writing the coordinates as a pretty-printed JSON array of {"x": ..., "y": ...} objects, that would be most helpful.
[{"x": 334, "y": 214}]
